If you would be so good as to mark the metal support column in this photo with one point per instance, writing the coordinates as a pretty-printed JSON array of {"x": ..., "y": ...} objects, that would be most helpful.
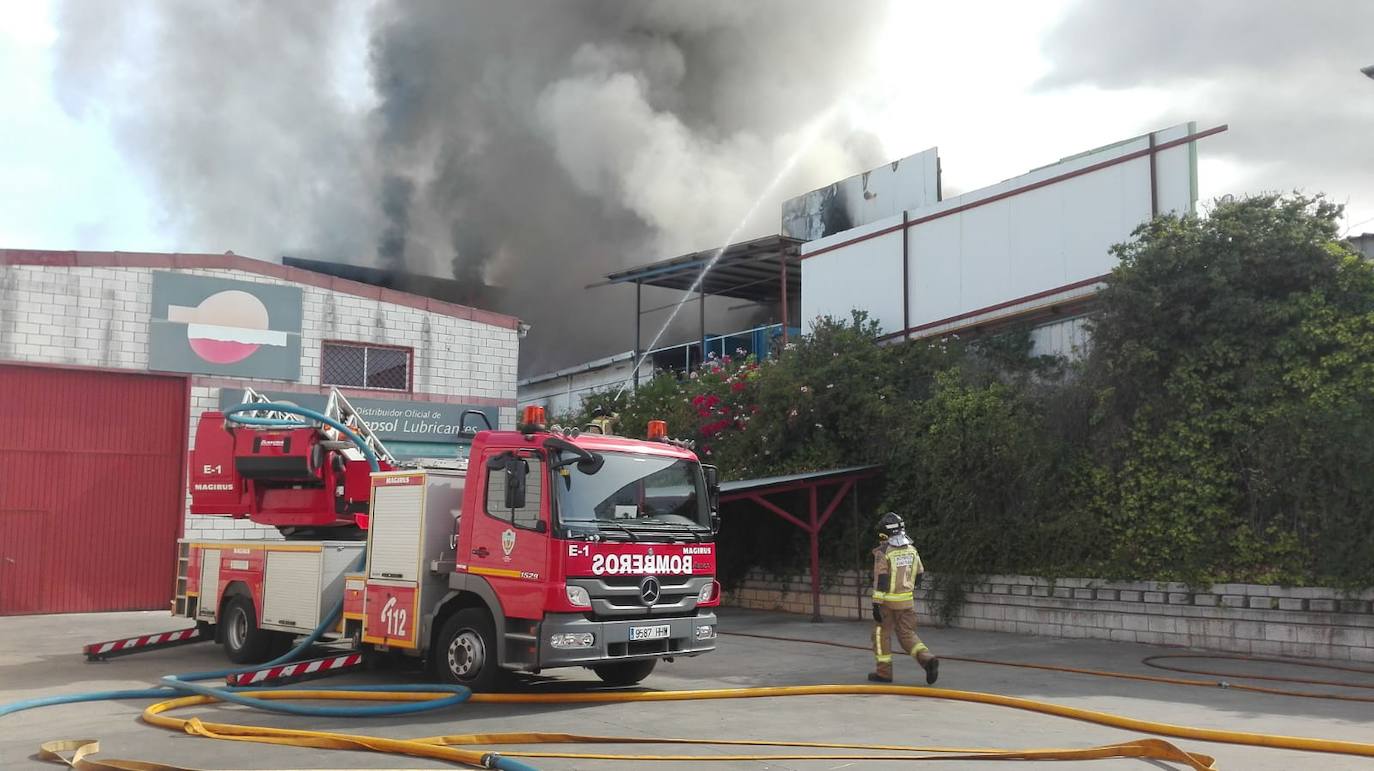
[
  {"x": 1154, "y": 182},
  {"x": 862, "y": 589},
  {"x": 786, "y": 321},
  {"x": 906, "y": 276},
  {"x": 639, "y": 316},
  {"x": 701, "y": 316}
]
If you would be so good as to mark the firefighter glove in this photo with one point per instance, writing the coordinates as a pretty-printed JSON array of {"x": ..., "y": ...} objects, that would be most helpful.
[{"x": 877, "y": 613}]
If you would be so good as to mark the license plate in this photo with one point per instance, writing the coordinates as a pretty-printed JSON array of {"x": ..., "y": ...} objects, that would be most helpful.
[{"x": 648, "y": 632}]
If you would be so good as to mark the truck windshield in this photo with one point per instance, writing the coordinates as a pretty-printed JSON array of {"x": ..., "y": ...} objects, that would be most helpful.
[{"x": 634, "y": 497}]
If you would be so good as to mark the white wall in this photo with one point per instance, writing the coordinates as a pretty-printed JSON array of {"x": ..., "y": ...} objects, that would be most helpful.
[
  {"x": 879, "y": 193},
  {"x": 563, "y": 394},
  {"x": 98, "y": 316},
  {"x": 966, "y": 258}
]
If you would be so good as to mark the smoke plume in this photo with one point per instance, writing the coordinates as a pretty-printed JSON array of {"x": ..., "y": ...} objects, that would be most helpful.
[{"x": 530, "y": 147}]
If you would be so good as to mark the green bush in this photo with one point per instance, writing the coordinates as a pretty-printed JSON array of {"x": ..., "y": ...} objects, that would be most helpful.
[{"x": 1220, "y": 427}]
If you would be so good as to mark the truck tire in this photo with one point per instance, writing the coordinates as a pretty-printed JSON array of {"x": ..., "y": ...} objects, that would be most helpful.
[
  {"x": 465, "y": 651},
  {"x": 625, "y": 672},
  {"x": 244, "y": 641}
]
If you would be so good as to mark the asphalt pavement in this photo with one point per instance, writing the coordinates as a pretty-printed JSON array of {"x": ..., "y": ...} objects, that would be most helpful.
[{"x": 40, "y": 655}]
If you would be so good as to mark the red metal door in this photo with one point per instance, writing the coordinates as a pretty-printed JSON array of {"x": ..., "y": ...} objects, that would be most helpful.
[{"x": 91, "y": 498}]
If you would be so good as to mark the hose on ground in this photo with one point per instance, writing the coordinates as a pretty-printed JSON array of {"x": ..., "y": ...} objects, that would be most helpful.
[
  {"x": 1144, "y": 678},
  {"x": 450, "y": 747}
]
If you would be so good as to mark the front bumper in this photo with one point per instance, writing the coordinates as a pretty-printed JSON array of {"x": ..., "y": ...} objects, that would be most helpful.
[{"x": 612, "y": 639}]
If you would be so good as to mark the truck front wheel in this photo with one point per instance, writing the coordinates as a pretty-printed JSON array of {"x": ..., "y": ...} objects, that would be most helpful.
[
  {"x": 625, "y": 672},
  {"x": 244, "y": 641},
  {"x": 465, "y": 652}
]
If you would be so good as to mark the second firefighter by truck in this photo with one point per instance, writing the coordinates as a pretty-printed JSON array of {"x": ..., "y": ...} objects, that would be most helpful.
[{"x": 896, "y": 565}]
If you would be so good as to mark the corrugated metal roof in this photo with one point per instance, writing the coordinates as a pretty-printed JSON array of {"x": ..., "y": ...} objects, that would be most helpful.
[
  {"x": 761, "y": 483},
  {"x": 748, "y": 270}
]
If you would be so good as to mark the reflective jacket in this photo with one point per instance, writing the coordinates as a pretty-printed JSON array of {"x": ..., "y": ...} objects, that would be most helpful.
[{"x": 894, "y": 573}]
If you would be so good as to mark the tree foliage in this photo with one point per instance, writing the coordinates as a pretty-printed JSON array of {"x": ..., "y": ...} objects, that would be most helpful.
[{"x": 1221, "y": 426}]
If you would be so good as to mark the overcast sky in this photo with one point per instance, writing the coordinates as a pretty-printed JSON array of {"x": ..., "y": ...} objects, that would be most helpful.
[{"x": 999, "y": 87}]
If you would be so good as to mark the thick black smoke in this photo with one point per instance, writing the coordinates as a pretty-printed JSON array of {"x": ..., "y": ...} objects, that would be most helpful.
[{"x": 527, "y": 146}]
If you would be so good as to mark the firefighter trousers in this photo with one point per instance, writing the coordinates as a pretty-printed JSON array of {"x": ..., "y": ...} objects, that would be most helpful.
[{"x": 900, "y": 621}]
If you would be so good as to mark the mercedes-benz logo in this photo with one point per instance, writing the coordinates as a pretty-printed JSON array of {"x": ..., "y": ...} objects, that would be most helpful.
[{"x": 648, "y": 590}]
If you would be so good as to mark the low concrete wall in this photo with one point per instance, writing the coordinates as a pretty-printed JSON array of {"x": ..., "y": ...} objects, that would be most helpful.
[{"x": 1306, "y": 622}]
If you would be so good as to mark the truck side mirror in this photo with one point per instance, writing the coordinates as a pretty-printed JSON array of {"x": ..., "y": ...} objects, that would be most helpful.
[
  {"x": 712, "y": 486},
  {"x": 516, "y": 469}
]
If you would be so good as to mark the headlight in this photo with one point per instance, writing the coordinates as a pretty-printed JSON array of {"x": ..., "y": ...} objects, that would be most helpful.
[
  {"x": 578, "y": 596},
  {"x": 707, "y": 592},
  {"x": 707, "y": 632},
  {"x": 572, "y": 640}
]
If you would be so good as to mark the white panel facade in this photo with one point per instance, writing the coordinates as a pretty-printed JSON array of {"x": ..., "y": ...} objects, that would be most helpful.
[
  {"x": 1000, "y": 250},
  {"x": 877, "y": 194},
  {"x": 866, "y": 275},
  {"x": 562, "y": 393}
]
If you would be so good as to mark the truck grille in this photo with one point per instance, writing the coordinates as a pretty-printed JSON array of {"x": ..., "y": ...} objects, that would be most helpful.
[{"x": 618, "y": 597}]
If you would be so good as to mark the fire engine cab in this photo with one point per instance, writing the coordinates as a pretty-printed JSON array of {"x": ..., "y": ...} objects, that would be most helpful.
[{"x": 543, "y": 548}]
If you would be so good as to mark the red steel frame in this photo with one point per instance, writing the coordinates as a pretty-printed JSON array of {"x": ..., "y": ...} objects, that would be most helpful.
[{"x": 816, "y": 517}]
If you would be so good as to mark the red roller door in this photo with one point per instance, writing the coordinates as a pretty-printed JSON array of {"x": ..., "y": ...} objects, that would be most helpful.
[{"x": 90, "y": 489}]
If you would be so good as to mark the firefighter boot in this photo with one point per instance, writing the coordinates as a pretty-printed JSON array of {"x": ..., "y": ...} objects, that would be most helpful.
[
  {"x": 874, "y": 677},
  {"x": 928, "y": 662},
  {"x": 932, "y": 668}
]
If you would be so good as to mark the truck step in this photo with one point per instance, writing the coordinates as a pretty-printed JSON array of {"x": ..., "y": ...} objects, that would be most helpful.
[
  {"x": 297, "y": 671},
  {"x": 148, "y": 642}
]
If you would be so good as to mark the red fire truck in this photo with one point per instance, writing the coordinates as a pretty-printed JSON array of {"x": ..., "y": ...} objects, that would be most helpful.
[{"x": 542, "y": 548}]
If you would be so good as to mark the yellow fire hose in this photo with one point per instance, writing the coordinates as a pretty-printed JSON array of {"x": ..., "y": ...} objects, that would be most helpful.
[{"x": 451, "y": 747}]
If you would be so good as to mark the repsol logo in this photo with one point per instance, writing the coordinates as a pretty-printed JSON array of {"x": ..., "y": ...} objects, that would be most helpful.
[{"x": 639, "y": 564}]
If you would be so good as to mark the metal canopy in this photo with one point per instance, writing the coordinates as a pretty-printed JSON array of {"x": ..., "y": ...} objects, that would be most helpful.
[
  {"x": 739, "y": 489},
  {"x": 843, "y": 480},
  {"x": 748, "y": 270}
]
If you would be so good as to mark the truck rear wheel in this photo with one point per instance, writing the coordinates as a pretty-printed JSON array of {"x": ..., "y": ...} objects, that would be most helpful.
[
  {"x": 465, "y": 652},
  {"x": 625, "y": 672},
  {"x": 244, "y": 641}
]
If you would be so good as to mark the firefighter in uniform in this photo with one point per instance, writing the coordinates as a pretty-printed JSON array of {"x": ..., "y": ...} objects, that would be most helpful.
[{"x": 896, "y": 566}]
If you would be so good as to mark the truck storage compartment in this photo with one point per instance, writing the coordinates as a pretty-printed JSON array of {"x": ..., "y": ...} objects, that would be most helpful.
[{"x": 301, "y": 585}]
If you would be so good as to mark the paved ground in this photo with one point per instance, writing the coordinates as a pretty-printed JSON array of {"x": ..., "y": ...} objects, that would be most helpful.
[{"x": 39, "y": 656}]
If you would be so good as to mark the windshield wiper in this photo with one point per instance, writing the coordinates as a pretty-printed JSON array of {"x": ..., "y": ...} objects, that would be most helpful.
[
  {"x": 627, "y": 530},
  {"x": 668, "y": 526}
]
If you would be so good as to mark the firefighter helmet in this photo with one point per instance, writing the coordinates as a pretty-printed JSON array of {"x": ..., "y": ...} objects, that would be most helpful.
[{"x": 890, "y": 525}]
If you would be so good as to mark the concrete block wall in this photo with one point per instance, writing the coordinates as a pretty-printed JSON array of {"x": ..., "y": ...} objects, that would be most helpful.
[
  {"x": 1297, "y": 622},
  {"x": 97, "y": 316}
]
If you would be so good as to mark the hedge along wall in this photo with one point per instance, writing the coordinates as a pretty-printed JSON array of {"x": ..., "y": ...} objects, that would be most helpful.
[{"x": 1301, "y": 622}]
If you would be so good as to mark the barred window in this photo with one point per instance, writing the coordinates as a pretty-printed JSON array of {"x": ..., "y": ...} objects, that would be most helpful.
[{"x": 365, "y": 366}]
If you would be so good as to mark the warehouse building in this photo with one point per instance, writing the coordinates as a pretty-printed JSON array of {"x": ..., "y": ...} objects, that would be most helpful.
[
  {"x": 107, "y": 359},
  {"x": 1030, "y": 252}
]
